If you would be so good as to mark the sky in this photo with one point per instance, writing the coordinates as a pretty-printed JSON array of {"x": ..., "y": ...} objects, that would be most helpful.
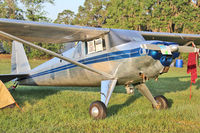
[{"x": 60, "y": 5}]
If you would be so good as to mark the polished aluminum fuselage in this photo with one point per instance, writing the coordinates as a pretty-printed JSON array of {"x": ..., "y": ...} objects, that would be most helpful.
[{"x": 125, "y": 62}]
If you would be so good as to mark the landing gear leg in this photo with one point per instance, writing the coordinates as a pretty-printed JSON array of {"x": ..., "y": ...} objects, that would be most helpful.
[
  {"x": 98, "y": 109},
  {"x": 159, "y": 102}
]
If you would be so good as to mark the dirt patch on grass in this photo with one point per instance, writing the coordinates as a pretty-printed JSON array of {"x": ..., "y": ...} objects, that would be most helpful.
[{"x": 5, "y": 56}]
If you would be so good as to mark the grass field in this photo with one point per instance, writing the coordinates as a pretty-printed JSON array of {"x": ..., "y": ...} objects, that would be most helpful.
[{"x": 65, "y": 109}]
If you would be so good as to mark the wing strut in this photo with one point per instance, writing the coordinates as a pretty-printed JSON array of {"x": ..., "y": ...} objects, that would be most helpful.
[{"x": 11, "y": 37}]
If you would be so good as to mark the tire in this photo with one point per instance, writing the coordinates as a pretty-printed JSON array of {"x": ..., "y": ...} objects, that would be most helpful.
[
  {"x": 162, "y": 102},
  {"x": 97, "y": 110}
]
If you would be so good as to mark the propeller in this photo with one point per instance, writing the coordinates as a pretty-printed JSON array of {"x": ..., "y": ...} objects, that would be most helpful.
[
  {"x": 193, "y": 58},
  {"x": 167, "y": 50}
]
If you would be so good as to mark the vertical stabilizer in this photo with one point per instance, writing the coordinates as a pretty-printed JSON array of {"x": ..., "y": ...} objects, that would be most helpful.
[{"x": 19, "y": 59}]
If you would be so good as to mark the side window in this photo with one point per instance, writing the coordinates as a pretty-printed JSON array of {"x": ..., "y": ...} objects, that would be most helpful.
[
  {"x": 91, "y": 47},
  {"x": 96, "y": 45},
  {"x": 99, "y": 45}
]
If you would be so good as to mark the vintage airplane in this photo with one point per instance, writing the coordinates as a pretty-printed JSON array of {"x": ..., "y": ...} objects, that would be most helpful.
[{"x": 102, "y": 57}]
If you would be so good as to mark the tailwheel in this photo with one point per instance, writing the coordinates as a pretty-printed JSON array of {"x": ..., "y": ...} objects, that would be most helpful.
[
  {"x": 162, "y": 102},
  {"x": 97, "y": 110},
  {"x": 129, "y": 89}
]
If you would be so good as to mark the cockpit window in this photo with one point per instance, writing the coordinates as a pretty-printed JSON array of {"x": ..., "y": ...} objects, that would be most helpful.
[
  {"x": 96, "y": 45},
  {"x": 90, "y": 47}
]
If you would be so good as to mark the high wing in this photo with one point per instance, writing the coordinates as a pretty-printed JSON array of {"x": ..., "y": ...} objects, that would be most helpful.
[
  {"x": 179, "y": 38},
  {"x": 8, "y": 77},
  {"x": 61, "y": 33},
  {"x": 49, "y": 32},
  {"x": 27, "y": 32}
]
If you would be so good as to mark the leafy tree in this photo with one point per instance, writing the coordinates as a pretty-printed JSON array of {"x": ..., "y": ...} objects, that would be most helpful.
[
  {"x": 34, "y": 53},
  {"x": 127, "y": 14},
  {"x": 154, "y": 15},
  {"x": 92, "y": 13},
  {"x": 9, "y": 9},
  {"x": 175, "y": 16},
  {"x": 65, "y": 17},
  {"x": 34, "y": 9}
]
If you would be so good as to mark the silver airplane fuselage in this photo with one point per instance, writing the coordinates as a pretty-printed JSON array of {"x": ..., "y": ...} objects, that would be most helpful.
[
  {"x": 102, "y": 57},
  {"x": 127, "y": 62}
]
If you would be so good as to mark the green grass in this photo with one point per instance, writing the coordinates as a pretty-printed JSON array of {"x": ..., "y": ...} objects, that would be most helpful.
[
  {"x": 5, "y": 64},
  {"x": 65, "y": 109}
]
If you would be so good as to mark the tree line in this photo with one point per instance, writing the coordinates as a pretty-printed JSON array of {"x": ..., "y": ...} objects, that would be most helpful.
[{"x": 179, "y": 16}]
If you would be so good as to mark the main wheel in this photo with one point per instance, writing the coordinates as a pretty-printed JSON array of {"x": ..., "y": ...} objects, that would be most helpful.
[
  {"x": 162, "y": 102},
  {"x": 98, "y": 110}
]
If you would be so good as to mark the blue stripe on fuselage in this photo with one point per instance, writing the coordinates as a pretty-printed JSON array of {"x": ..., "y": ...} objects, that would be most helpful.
[
  {"x": 96, "y": 59},
  {"x": 165, "y": 43},
  {"x": 100, "y": 58}
]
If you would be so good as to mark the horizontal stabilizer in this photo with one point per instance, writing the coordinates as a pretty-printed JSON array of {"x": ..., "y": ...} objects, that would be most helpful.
[{"x": 8, "y": 77}]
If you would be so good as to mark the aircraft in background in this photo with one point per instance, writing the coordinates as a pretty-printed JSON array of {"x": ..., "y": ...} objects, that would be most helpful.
[{"x": 102, "y": 57}]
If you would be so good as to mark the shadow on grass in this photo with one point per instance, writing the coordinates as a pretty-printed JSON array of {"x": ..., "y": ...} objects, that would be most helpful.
[
  {"x": 31, "y": 94},
  {"x": 114, "y": 109},
  {"x": 170, "y": 102},
  {"x": 165, "y": 85}
]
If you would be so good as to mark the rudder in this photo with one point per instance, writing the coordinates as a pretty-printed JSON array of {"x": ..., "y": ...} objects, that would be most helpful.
[{"x": 19, "y": 60}]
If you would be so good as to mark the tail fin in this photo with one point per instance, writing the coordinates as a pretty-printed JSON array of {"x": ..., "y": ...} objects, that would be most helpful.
[{"x": 19, "y": 59}]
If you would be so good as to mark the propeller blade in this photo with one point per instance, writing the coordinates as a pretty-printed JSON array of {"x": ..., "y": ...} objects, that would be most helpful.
[
  {"x": 166, "y": 50},
  {"x": 187, "y": 49},
  {"x": 171, "y": 48},
  {"x": 150, "y": 47}
]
